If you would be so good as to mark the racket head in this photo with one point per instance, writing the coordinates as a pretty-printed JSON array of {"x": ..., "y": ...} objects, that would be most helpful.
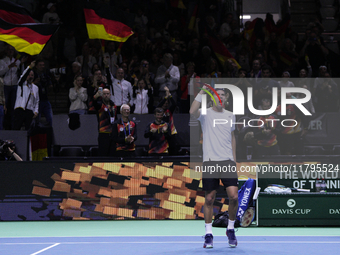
[{"x": 247, "y": 217}]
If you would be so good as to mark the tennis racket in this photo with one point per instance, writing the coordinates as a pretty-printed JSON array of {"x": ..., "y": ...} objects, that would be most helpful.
[{"x": 249, "y": 214}]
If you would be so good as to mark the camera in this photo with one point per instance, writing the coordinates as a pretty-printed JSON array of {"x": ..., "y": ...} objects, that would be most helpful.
[
  {"x": 5, "y": 144},
  {"x": 57, "y": 71}
]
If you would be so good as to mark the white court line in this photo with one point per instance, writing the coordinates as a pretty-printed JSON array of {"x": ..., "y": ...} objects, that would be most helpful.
[
  {"x": 173, "y": 242},
  {"x": 49, "y": 247},
  {"x": 125, "y": 236}
]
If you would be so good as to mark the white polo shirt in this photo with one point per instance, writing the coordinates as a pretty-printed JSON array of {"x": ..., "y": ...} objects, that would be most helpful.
[
  {"x": 122, "y": 92},
  {"x": 217, "y": 140}
]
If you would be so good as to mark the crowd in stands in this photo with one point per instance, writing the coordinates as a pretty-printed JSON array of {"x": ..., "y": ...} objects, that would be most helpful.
[{"x": 155, "y": 65}]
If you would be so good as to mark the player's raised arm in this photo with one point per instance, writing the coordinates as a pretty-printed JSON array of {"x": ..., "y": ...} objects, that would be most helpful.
[{"x": 196, "y": 104}]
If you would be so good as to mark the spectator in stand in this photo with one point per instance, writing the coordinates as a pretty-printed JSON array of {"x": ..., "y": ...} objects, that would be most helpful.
[
  {"x": 154, "y": 63},
  {"x": 266, "y": 135},
  {"x": 75, "y": 72},
  {"x": 158, "y": 133},
  {"x": 107, "y": 114},
  {"x": 320, "y": 79},
  {"x": 178, "y": 62},
  {"x": 315, "y": 49},
  {"x": 121, "y": 90},
  {"x": 289, "y": 57},
  {"x": 201, "y": 63},
  {"x": 9, "y": 67},
  {"x": 243, "y": 59},
  {"x": 194, "y": 53},
  {"x": 263, "y": 87},
  {"x": 142, "y": 96},
  {"x": 168, "y": 76},
  {"x": 51, "y": 17},
  {"x": 144, "y": 73},
  {"x": 141, "y": 20},
  {"x": 78, "y": 97},
  {"x": 225, "y": 28},
  {"x": 272, "y": 48},
  {"x": 327, "y": 95},
  {"x": 124, "y": 132},
  {"x": 255, "y": 72},
  {"x": 70, "y": 47},
  {"x": 86, "y": 60},
  {"x": 188, "y": 88},
  {"x": 211, "y": 24},
  {"x": 168, "y": 104},
  {"x": 27, "y": 102},
  {"x": 99, "y": 81},
  {"x": 93, "y": 69},
  {"x": 113, "y": 57},
  {"x": 259, "y": 48},
  {"x": 284, "y": 82},
  {"x": 230, "y": 69},
  {"x": 305, "y": 74},
  {"x": 44, "y": 83},
  {"x": 144, "y": 46},
  {"x": 291, "y": 136},
  {"x": 212, "y": 70}
]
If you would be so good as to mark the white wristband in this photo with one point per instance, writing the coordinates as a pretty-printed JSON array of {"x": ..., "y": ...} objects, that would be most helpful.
[{"x": 198, "y": 98}]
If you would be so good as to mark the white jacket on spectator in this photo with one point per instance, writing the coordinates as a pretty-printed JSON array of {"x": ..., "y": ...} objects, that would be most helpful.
[
  {"x": 141, "y": 102},
  {"x": 9, "y": 74},
  {"x": 172, "y": 82},
  {"x": 78, "y": 99},
  {"x": 21, "y": 101}
]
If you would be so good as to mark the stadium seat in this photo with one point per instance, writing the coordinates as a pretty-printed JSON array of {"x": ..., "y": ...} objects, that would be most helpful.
[
  {"x": 314, "y": 150},
  {"x": 336, "y": 150},
  {"x": 330, "y": 24},
  {"x": 326, "y": 2},
  {"x": 327, "y": 12},
  {"x": 141, "y": 151},
  {"x": 93, "y": 151},
  {"x": 71, "y": 152},
  {"x": 334, "y": 46}
]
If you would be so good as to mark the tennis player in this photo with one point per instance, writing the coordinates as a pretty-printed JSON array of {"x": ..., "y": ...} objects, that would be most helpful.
[{"x": 219, "y": 151}]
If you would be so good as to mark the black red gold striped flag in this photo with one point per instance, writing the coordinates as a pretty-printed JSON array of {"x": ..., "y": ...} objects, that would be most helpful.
[
  {"x": 38, "y": 146},
  {"x": 221, "y": 51},
  {"x": 28, "y": 38},
  {"x": 193, "y": 18},
  {"x": 254, "y": 31},
  {"x": 13, "y": 13},
  {"x": 108, "y": 23},
  {"x": 280, "y": 28},
  {"x": 177, "y": 4}
]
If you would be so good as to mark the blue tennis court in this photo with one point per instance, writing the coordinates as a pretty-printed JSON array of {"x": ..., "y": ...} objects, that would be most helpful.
[
  {"x": 168, "y": 245},
  {"x": 158, "y": 237}
]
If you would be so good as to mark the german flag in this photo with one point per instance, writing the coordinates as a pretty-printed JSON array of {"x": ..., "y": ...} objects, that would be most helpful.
[
  {"x": 28, "y": 38},
  {"x": 221, "y": 51},
  {"x": 177, "y": 4},
  {"x": 38, "y": 147},
  {"x": 193, "y": 18},
  {"x": 108, "y": 23},
  {"x": 279, "y": 29},
  {"x": 286, "y": 58},
  {"x": 254, "y": 31},
  {"x": 13, "y": 13}
]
